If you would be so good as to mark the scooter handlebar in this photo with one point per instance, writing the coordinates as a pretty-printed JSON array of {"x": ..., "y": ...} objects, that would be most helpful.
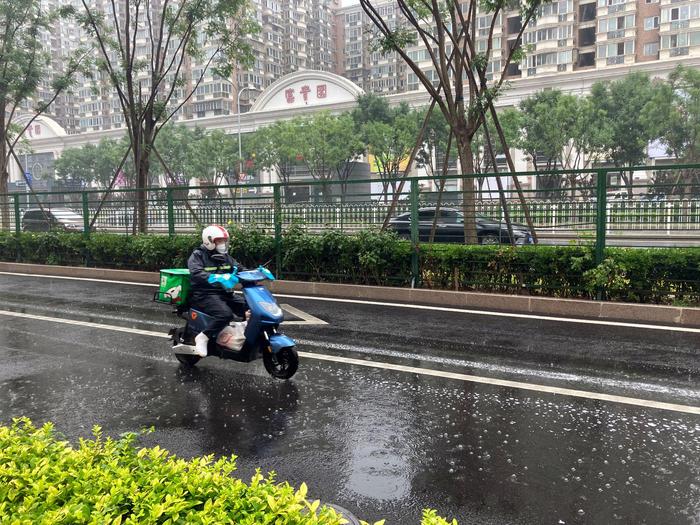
[
  {"x": 227, "y": 280},
  {"x": 267, "y": 273}
]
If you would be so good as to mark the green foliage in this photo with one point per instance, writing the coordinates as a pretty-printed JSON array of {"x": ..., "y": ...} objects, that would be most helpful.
[
  {"x": 23, "y": 59},
  {"x": 46, "y": 480},
  {"x": 273, "y": 148},
  {"x": 23, "y": 67},
  {"x": 390, "y": 133},
  {"x": 511, "y": 123},
  {"x": 103, "y": 480},
  {"x": 93, "y": 163},
  {"x": 371, "y": 108},
  {"x": 435, "y": 141},
  {"x": 659, "y": 276},
  {"x": 622, "y": 103},
  {"x": 190, "y": 152},
  {"x": 324, "y": 143},
  {"x": 547, "y": 120},
  {"x": 366, "y": 258},
  {"x": 673, "y": 114},
  {"x": 430, "y": 517}
]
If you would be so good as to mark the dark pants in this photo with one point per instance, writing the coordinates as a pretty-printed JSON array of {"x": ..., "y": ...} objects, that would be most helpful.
[{"x": 221, "y": 307}]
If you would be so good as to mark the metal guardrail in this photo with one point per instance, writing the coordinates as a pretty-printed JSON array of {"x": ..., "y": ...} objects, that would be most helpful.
[
  {"x": 570, "y": 215},
  {"x": 558, "y": 211}
]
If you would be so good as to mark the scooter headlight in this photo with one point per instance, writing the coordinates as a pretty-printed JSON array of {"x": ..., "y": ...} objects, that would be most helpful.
[{"x": 271, "y": 308}]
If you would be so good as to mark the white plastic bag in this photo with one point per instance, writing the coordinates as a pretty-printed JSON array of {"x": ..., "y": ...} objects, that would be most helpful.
[{"x": 232, "y": 336}]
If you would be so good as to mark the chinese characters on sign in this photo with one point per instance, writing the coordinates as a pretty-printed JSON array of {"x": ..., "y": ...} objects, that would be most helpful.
[
  {"x": 34, "y": 130},
  {"x": 304, "y": 91},
  {"x": 289, "y": 95}
]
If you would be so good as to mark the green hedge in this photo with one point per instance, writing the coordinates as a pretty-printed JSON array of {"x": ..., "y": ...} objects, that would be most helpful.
[
  {"x": 658, "y": 276},
  {"x": 44, "y": 480}
]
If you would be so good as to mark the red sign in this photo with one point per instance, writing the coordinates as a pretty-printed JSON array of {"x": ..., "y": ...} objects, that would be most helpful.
[
  {"x": 289, "y": 95},
  {"x": 305, "y": 91}
]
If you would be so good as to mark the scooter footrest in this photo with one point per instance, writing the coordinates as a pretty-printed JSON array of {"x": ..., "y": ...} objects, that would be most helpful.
[{"x": 185, "y": 349}]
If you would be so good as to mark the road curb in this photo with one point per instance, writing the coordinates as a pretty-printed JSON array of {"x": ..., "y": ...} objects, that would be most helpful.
[{"x": 629, "y": 312}]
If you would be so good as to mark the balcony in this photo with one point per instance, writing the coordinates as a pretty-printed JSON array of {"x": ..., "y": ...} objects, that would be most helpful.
[
  {"x": 679, "y": 51},
  {"x": 620, "y": 59}
]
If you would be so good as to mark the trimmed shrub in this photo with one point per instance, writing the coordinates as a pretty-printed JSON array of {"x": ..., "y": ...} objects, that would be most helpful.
[
  {"x": 658, "y": 276},
  {"x": 44, "y": 480}
]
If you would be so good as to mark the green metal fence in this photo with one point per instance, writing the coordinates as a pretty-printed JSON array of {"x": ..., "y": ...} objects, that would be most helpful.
[{"x": 592, "y": 206}]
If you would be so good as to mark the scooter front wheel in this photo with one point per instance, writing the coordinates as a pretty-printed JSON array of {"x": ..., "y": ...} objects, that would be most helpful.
[{"x": 282, "y": 364}]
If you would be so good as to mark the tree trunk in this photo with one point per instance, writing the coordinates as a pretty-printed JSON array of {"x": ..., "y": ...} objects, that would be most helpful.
[
  {"x": 466, "y": 163},
  {"x": 4, "y": 197},
  {"x": 143, "y": 163},
  {"x": 326, "y": 190},
  {"x": 4, "y": 175}
]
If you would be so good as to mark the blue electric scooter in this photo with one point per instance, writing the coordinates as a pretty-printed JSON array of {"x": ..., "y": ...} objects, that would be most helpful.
[{"x": 261, "y": 333}]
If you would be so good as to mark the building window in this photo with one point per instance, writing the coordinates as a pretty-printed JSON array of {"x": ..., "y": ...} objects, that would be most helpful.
[
  {"x": 587, "y": 12},
  {"x": 616, "y": 49},
  {"x": 651, "y": 22},
  {"x": 651, "y": 49},
  {"x": 586, "y": 37},
  {"x": 586, "y": 59},
  {"x": 514, "y": 24}
]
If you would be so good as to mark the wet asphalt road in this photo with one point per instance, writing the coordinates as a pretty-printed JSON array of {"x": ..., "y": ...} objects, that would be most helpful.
[{"x": 381, "y": 443}]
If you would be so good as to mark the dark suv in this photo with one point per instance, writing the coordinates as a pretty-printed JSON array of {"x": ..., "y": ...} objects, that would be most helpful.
[
  {"x": 450, "y": 228},
  {"x": 54, "y": 219}
]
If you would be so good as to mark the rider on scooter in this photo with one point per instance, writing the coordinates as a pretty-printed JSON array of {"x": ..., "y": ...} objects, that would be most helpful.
[{"x": 212, "y": 298}]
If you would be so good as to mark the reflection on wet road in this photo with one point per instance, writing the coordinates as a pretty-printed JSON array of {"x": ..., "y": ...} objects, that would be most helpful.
[{"x": 382, "y": 443}]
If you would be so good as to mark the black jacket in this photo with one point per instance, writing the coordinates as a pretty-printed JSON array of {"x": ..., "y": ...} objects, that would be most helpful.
[{"x": 203, "y": 262}]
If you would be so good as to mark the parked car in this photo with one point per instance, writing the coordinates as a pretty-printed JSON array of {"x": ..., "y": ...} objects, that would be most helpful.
[
  {"x": 53, "y": 219},
  {"x": 450, "y": 227}
]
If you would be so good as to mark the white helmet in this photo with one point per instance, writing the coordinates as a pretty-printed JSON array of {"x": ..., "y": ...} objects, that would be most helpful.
[{"x": 213, "y": 233}]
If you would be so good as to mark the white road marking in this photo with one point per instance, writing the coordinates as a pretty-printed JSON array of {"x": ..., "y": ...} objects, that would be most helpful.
[
  {"x": 411, "y": 370},
  {"x": 306, "y": 318},
  {"x": 500, "y": 314},
  {"x": 682, "y": 329},
  {"x": 505, "y": 383},
  {"x": 114, "y": 328},
  {"x": 154, "y": 285}
]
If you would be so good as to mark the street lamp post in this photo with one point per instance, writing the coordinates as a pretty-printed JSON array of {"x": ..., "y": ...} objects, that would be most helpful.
[{"x": 240, "y": 150}]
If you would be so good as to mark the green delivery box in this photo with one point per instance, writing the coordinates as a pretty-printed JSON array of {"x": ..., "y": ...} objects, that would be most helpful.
[{"x": 174, "y": 285}]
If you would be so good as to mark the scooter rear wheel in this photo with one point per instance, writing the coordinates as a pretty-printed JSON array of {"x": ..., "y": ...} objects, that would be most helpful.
[
  {"x": 188, "y": 360},
  {"x": 283, "y": 364}
]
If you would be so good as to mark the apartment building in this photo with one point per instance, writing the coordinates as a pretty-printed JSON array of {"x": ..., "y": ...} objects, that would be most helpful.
[
  {"x": 294, "y": 35},
  {"x": 567, "y": 36}
]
